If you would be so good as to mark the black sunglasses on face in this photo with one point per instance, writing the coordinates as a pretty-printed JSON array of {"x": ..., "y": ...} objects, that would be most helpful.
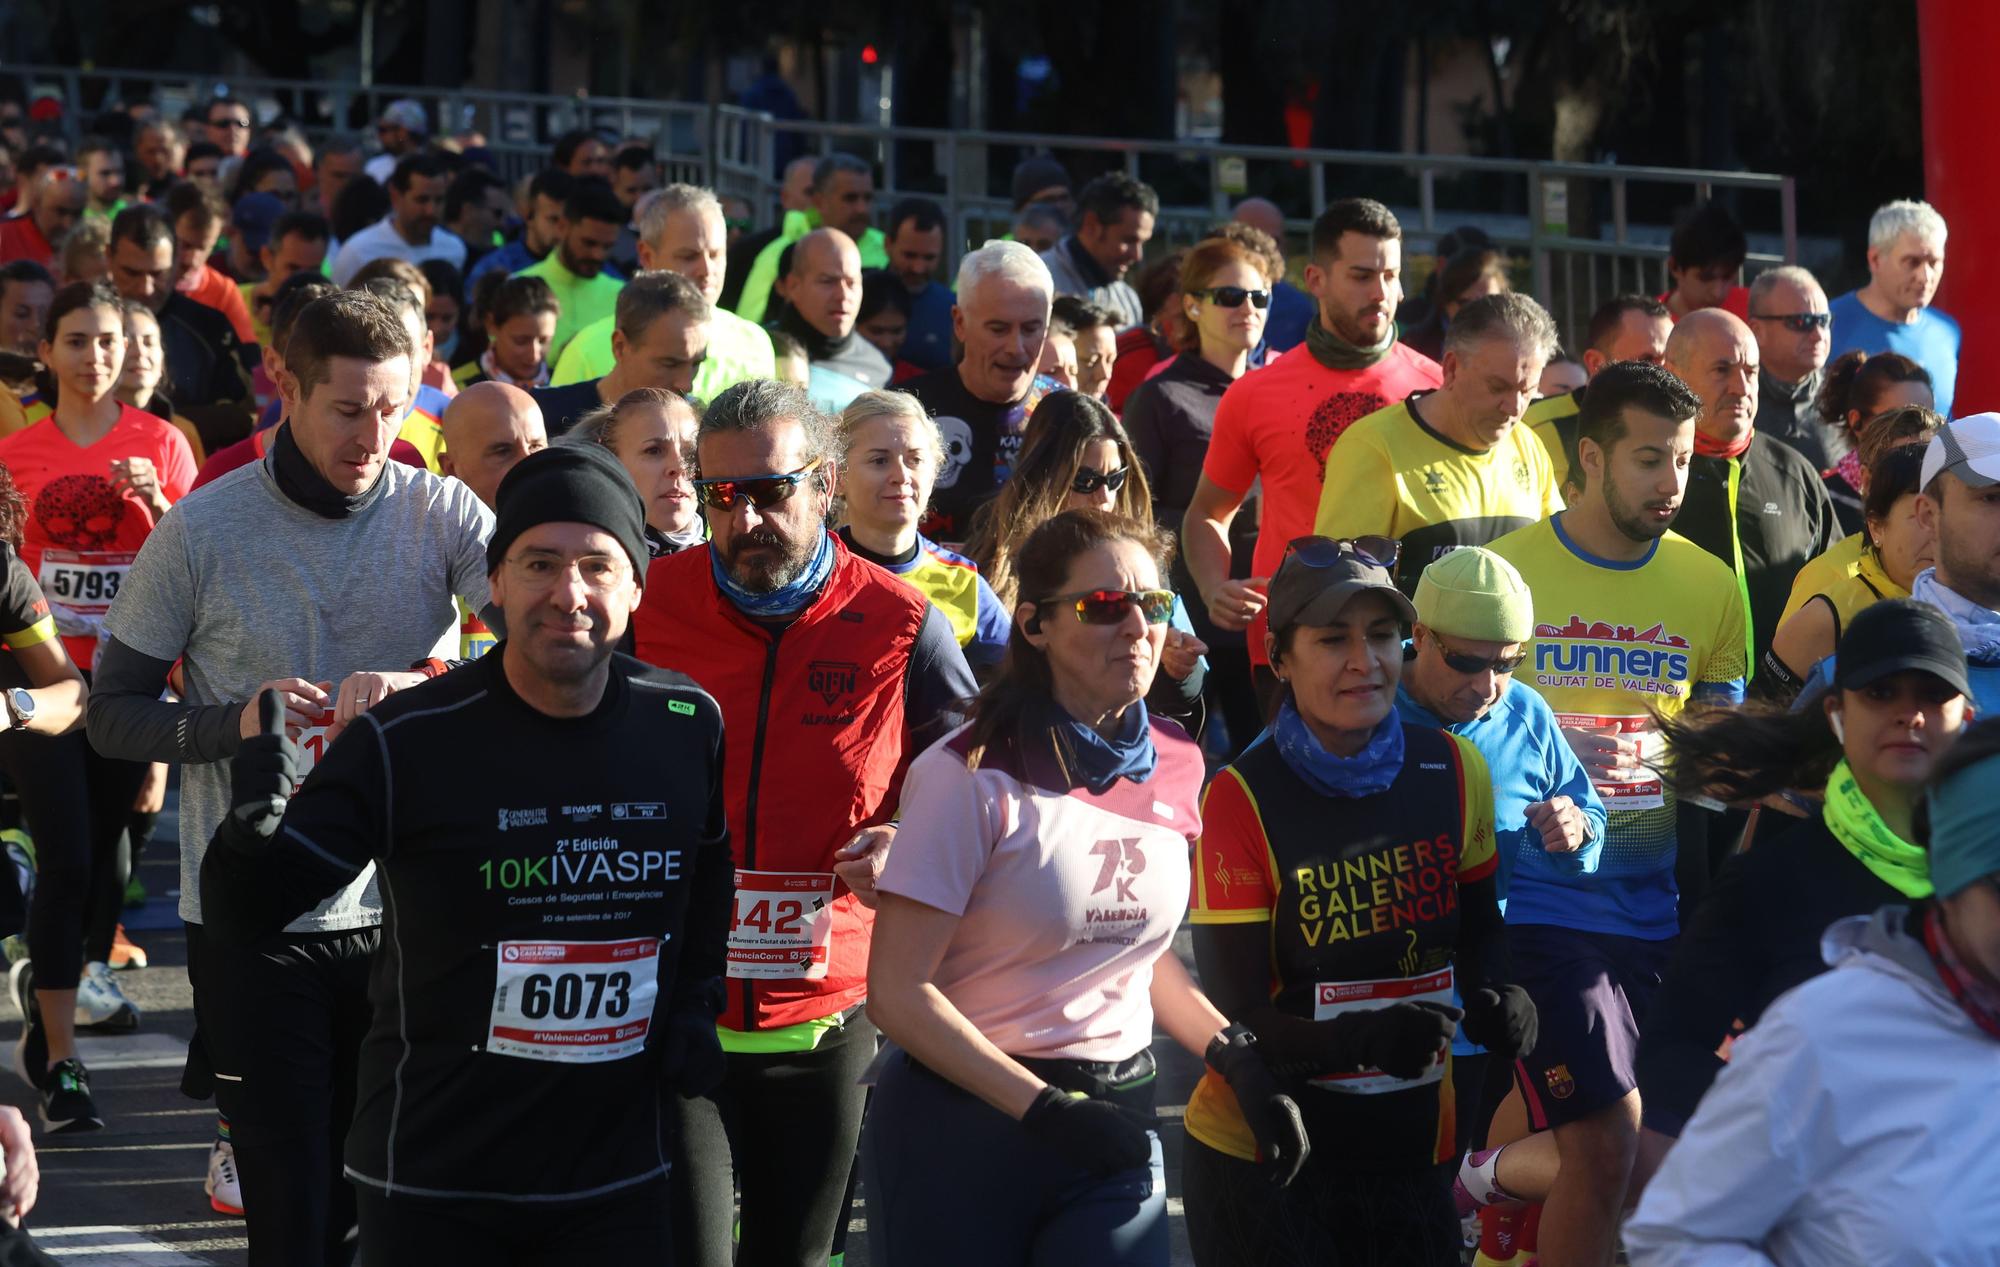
[
  {"x": 1089, "y": 481},
  {"x": 762, "y": 491},
  {"x": 1460, "y": 662},
  {"x": 1324, "y": 552},
  {"x": 1797, "y": 322},
  {"x": 1233, "y": 296}
]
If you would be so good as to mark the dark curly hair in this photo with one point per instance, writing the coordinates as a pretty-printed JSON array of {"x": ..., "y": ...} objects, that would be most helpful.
[{"x": 13, "y": 509}]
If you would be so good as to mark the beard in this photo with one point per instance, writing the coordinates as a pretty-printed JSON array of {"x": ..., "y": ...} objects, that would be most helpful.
[
  {"x": 781, "y": 563},
  {"x": 1628, "y": 519}
]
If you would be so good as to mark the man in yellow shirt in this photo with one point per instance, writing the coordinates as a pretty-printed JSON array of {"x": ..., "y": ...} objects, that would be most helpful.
[{"x": 1453, "y": 466}]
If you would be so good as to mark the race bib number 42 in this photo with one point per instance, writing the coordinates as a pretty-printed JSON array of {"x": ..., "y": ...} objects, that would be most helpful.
[
  {"x": 573, "y": 1002},
  {"x": 782, "y": 926}
]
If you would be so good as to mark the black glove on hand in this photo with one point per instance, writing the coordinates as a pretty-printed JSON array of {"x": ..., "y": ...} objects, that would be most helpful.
[
  {"x": 691, "y": 1057},
  {"x": 1101, "y": 1137},
  {"x": 1502, "y": 1019},
  {"x": 692, "y": 1061},
  {"x": 1403, "y": 1039},
  {"x": 1272, "y": 1115},
  {"x": 261, "y": 777}
]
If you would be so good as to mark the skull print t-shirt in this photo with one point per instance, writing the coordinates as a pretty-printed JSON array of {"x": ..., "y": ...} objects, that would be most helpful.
[
  {"x": 84, "y": 526},
  {"x": 982, "y": 442}
]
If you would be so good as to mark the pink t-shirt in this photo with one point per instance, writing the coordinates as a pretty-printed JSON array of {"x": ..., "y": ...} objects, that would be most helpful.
[
  {"x": 1064, "y": 899},
  {"x": 1279, "y": 422}
]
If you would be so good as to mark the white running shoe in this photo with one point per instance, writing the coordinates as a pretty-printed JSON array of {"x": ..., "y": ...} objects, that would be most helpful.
[
  {"x": 100, "y": 1004},
  {"x": 225, "y": 1190}
]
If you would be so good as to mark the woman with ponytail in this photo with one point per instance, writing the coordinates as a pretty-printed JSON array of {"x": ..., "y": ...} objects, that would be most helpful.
[{"x": 1858, "y": 392}]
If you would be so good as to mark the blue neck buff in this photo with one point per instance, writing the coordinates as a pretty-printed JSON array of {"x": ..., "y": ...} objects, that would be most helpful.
[
  {"x": 1097, "y": 762},
  {"x": 788, "y": 599},
  {"x": 1367, "y": 772}
]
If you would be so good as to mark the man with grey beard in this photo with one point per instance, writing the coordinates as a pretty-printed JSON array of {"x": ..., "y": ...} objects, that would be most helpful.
[{"x": 832, "y": 675}]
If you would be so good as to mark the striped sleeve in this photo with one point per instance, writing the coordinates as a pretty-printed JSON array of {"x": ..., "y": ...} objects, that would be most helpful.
[
  {"x": 1233, "y": 879},
  {"x": 24, "y": 612}
]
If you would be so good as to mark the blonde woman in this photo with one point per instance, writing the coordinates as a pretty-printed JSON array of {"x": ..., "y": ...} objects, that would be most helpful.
[{"x": 890, "y": 454}]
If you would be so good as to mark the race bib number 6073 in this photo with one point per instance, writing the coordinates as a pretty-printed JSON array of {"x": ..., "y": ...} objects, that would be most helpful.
[{"x": 573, "y": 1002}]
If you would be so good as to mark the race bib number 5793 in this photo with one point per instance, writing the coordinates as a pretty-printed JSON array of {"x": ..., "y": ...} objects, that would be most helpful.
[{"x": 573, "y": 1002}]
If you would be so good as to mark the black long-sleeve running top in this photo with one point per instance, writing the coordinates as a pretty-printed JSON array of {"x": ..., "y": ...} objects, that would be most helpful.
[{"x": 554, "y": 890}]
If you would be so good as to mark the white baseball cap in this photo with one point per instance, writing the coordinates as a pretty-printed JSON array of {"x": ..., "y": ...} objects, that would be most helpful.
[{"x": 1969, "y": 448}]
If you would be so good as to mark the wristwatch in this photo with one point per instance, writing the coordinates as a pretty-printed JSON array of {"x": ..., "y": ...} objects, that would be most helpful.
[{"x": 20, "y": 708}]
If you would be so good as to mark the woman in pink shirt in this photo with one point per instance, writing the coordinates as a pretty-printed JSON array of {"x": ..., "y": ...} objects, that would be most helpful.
[{"x": 1022, "y": 943}]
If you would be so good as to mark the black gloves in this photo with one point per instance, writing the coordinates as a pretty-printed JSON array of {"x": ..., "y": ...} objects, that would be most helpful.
[
  {"x": 1502, "y": 1019},
  {"x": 1271, "y": 1115},
  {"x": 1402, "y": 1040},
  {"x": 692, "y": 1061},
  {"x": 261, "y": 777},
  {"x": 1101, "y": 1137}
]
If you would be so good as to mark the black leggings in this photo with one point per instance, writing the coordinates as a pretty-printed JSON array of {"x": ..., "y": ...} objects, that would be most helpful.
[
  {"x": 75, "y": 804},
  {"x": 1328, "y": 1217},
  {"x": 786, "y": 1126},
  {"x": 282, "y": 1023},
  {"x": 629, "y": 1226}
]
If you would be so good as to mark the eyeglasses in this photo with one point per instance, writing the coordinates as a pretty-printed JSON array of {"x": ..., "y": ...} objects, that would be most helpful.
[
  {"x": 1797, "y": 322},
  {"x": 1233, "y": 296},
  {"x": 763, "y": 491},
  {"x": 600, "y": 573},
  {"x": 1089, "y": 481},
  {"x": 1108, "y": 607},
  {"x": 1460, "y": 662},
  {"x": 230, "y": 123},
  {"x": 1325, "y": 552}
]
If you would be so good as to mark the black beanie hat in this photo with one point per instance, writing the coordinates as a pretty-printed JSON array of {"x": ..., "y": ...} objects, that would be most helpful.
[{"x": 570, "y": 483}]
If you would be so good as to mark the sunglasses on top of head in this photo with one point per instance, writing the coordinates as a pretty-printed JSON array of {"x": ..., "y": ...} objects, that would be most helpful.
[
  {"x": 1108, "y": 607},
  {"x": 761, "y": 491},
  {"x": 1089, "y": 480},
  {"x": 1233, "y": 296},
  {"x": 1325, "y": 552}
]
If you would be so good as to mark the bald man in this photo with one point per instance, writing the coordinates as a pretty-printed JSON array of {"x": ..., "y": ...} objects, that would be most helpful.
[
  {"x": 1753, "y": 502},
  {"x": 487, "y": 428},
  {"x": 1292, "y": 309},
  {"x": 58, "y": 202},
  {"x": 822, "y": 293}
]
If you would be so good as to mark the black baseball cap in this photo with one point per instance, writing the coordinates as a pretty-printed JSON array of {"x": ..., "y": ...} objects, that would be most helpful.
[
  {"x": 1320, "y": 574},
  {"x": 1899, "y": 634}
]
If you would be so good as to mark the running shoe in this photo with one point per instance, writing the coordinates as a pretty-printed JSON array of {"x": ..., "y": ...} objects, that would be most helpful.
[
  {"x": 100, "y": 1004},
  {"x": 225, "y": 1190},
  {"x": 66, "y": 1104},
  {"x": 124, "y": 954},
  {"x": 20, "y": 849},
  {"x": 31, "y": 1049},
  {"x": 14, "y": 947}
]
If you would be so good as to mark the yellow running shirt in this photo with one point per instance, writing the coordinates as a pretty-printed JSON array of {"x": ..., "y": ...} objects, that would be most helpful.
[
  {"x": 1616, "y": 644},
  {"x": 1390, "y": 475}
]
